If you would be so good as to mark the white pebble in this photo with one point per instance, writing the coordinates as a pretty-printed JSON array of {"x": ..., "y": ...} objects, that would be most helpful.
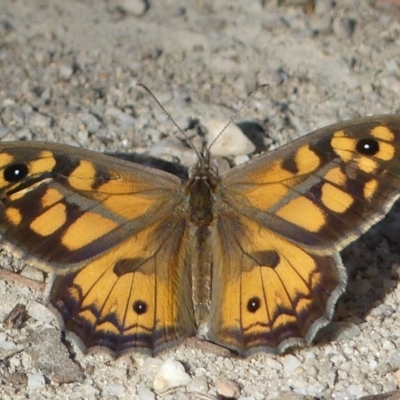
[
  {"x": 170, "y": 375},
  {"x": 228, "y": 364},
  {"x": 356, "y": 390},
  {"x": 39, "y": 312},
  {"x": 35, "y": 381},
  {"x": 65, "y": 70},
  {"x": 345, "y": 395},
  {"x": 273, "y": 364},
  {"x": 119, "y": 116},
  {"x": 151, "y": 366},
  {"x": 395, "y": 360},
  {"x": 90, "y": 121},
  {"x": 115, "y": 389},
  {"x": 241, "y": 159},
  {"x": 291, "y": 363},
  {"x": 6, "y": 345},
  {"x": 40, "y": 120},
  {"x": 145, "y": 393},
  {"x": 231, "y": 141},
  {"x": 381, "y": 311},
  {"x": 118, "y": 372}
]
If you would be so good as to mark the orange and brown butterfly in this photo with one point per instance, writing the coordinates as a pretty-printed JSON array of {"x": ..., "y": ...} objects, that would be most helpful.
[{"x": 248, "y": 259}]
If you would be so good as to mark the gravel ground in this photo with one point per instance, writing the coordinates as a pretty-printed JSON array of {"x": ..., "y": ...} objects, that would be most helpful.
[{"x": 68, "y": 73}]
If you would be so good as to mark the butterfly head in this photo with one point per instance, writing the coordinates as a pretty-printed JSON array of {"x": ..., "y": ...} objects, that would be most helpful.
[{"x": 204, "y": 169}]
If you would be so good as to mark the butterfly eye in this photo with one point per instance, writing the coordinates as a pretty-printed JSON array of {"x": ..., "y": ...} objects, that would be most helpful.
[
  {"x": 253, "y": 304},
  {"x": 369, "y": 147},
  {"x": 140, "y": 307},
  {"x": 15, "y": 172}
]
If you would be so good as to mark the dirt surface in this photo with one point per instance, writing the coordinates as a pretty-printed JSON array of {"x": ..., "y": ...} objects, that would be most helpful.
[{"x": 69, "y": 73}]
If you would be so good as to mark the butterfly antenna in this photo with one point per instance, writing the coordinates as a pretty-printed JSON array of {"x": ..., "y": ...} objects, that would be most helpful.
[
  {"x": 169, "y": 117},
  {"x": 238, "y": 112}
]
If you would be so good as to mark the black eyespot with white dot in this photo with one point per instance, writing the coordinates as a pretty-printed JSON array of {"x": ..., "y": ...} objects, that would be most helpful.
[
  {"x": 253, "y": 304},
  {"x": 140, "y": 307},
  {"x": 15, "y": 172},
  {"x": 368, "y": 147}
]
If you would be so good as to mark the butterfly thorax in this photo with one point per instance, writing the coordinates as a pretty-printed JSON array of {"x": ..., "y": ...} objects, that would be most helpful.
[{"x": 200, "y": 189}]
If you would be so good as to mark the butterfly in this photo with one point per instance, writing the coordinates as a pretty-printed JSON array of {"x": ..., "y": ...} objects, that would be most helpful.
[{"x": 248, "y": 260}]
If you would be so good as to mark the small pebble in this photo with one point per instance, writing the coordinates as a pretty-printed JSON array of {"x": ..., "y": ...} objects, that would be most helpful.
[
  {"x": 32, "y": 273},
  {"x": 36, "y": 381},
  {"x": 151, "y": 366},
  {"x": 91, "y": 122},
  {"x": 7, "y": 345},
  {"x": 39, "y": 312},
  {"x": 40, "y": 120},
  {"x": 171, "y": 374},
  {"x": 198, "y": 385},
  {"x": 65, "y": 71},
  {"x": 135, "y": 7},
  {"x": 381, "y": 311},
  {"x": 144, "y": 393},
  {"x": 356, "y": 390},
  {"x": 342, "y": 330},
  {"x": 273, "y": 364},
  {"x": 118, "y": 372},
  {"x": 344, "y": 27},
  {"x": 114, "y": 390},
  {"x": 230, "y": 142},
  {"x": 241, "y": 159},
  {"x": 228, "y": 364},
  {"x": 395, "y": 362},
  {"x": 290, "y": 363},
  {"x": 227, "y": 388},
  {"x": 121, "y": 118},
  {"x": 396, "y": 375}
]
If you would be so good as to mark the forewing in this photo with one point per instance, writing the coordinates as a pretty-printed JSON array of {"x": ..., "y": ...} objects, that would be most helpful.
[
  {"x": 111, "y": 231},
  {"x": 62, "y": 206},
  {"x": 325, "y": 189}
]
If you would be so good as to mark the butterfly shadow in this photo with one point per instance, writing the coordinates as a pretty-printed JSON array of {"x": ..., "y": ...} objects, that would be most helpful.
[{"x": 153, "y": 162}]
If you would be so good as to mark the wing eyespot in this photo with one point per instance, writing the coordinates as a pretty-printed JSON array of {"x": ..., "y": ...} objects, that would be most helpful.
[
  {"x": 368, "y": 147},
  {"x": 15, "y": 172},
  {"x": 253, "y": 304},
  {"x": 140, "y": 307}
]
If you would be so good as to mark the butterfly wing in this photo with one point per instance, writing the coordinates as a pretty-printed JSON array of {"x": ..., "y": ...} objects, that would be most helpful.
[
  {"x": 283, "y": 217},
  {"x": 112, "y": 229},
  {"x": 118, "y": 233}
]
